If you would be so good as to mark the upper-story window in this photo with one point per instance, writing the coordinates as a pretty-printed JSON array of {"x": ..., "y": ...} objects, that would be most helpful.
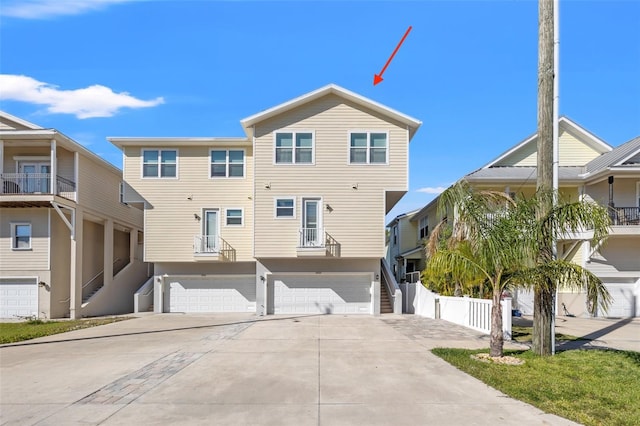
[
  {"x": 368, "y": 148},
  {"x": 394, "y": 235},
  {"x": 227, "y": 163},
  {"x": 21, "y": 236},
  {"x": 159, "y": 163},
  {"x": 285, "y": 207},
  {"x": 294, "y": 148},
  {"x": 423, "y": 227}
]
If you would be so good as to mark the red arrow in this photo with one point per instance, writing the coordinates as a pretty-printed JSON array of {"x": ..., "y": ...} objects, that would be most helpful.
[{"x": 377, "y": 78}]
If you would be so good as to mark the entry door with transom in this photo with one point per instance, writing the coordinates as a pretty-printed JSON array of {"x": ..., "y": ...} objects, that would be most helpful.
[
  {"x": 210, "y": 234},
  {"x": 35, "y": 177},
  {"x": 311, "y": 222}
]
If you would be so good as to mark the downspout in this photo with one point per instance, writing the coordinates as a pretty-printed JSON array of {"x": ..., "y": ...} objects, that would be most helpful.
[{"x": 556, "y": 153}]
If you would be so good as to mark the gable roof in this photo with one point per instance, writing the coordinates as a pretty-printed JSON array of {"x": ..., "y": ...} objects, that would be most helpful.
[
  {"x": 11, "y": 122},
  {"x": 412, "y": 123},
  {"x": 564, "y": 122},
  {"x": 616, "y": 157}
]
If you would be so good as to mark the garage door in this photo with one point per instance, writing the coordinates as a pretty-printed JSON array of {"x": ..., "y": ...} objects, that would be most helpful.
[
  {"x": 220, "y": 294},
  {"x": 327, "y": 294},
  {"x": 18, "y": 297},
  {"x": 623, "y": 300}
]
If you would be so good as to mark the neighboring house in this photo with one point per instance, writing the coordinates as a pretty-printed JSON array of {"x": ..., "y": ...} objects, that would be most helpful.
[
  {"x": 405, "y": 246},
  {"x": 588, "y": 168},
  {"x": 68, "y": 246},
  {"x": 288, "y": 219}
]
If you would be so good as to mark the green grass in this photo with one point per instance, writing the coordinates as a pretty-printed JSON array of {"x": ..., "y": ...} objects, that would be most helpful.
[
  {"x": 592, "y": 387},
  {"x": 11, "y": 332},
  {"x": 524, "y": 334}
]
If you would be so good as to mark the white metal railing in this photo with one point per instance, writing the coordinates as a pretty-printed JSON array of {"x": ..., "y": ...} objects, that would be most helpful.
[
  {"x": 311, "y": 237},
  {"x": 33, "y": 183},
  {"x": 206, "y": 244},
  {"x": 412, "y": 277}
]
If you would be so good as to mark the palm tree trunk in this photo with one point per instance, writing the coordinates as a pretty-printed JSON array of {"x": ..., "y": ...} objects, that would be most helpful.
[
  {"x": 496, "y": 343},
  {"x": 543, "y": 298}
]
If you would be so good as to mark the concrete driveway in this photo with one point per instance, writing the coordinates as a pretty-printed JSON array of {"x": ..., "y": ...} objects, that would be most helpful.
[{"x": 238, "y": 369}]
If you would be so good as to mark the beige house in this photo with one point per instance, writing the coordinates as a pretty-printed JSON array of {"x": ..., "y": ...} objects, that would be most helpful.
[
  {"x": 288, "y": 219},
  {"x": 589, "y": 168},
  {"x": 69, "y": 246}
]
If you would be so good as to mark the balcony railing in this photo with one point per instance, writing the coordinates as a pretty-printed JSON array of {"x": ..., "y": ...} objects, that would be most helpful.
[
  {"x": 213, "y": 245},
  {"x": 311, "y": 237},
  {"x": 624, "y": 215},
  {"x": 33, "y": 183}
]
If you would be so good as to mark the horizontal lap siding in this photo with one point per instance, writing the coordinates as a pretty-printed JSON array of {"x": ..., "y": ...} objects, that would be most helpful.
[
  {"x": 99, "y": 192},
  {"x": 356, "y": 220},
  {"x": 624, "y": 192},
  {"x": 38, "y": 257},
  {"x": 617, "y": 255},
  {"x": 170, "y": 223}
]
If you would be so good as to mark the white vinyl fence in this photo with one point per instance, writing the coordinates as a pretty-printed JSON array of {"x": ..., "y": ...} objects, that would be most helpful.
[{"x": 465, "y": 311}]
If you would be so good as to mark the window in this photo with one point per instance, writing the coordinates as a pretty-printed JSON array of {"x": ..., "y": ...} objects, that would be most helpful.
[
  {"x": 423, "y": 227},
  {"x": 294, "y": 148},
  {"x": 227, "y": 163},
  {"x": 21, "y": 236},
  {"x": 234, "y": 217},
  {"x": 285, "y": 208},
  {"x": 394, "y": 234},
  {"x": 159, "y": 163},
  {"x": 121, "y": 191},
  {"x": 368, "y": 148}
]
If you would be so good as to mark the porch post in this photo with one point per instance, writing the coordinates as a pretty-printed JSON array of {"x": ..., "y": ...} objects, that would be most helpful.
[
  {"x": 133, "y": 245},
  {"x": 108, "y": 252},
  {"x": 1, "y": 160},
  {"x": 75, "y": 281},
  {"x": 53, "y": 169}
]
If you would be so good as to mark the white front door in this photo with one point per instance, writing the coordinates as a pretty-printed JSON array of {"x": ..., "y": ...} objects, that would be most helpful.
[
  {"x": 210, "y": 234},
  {"x": 36, "y": 177},
  {"x": 311, "y": 228}
]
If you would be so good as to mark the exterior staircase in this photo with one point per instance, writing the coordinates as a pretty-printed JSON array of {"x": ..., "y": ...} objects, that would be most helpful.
[{"x": 385, "y": 301}]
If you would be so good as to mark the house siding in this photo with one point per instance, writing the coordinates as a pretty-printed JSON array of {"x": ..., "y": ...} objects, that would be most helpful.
[
  {"x": 170, "y": 224},
  {"x": 38, "y": 257},
  {"x": 624, "y": 192},
  {"x": 355, "y": 217},
  {"x": 618, "y": 256}
]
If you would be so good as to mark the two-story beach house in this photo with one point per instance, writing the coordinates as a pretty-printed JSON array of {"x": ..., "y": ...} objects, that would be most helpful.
[
  {"x": 287, "y": 219},
  {"x": 69, "y": 246},
  {"x": 591, "y": 169}
]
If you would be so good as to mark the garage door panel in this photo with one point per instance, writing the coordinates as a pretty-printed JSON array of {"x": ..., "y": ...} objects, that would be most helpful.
[
  {"x": 322, "y": 294},
  {"x": 623, "y": 300},
  {"x": 229, "y": 294},
  {"x": 18, "y": 297}
]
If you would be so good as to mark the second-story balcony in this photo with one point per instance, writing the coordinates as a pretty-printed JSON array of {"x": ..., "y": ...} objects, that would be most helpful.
[
  {"x": 36, "y": 183},
  {"x": 624, "y": 216},
  {"x": 317, "y": 242},
  {"x": 212, "y": 247}
]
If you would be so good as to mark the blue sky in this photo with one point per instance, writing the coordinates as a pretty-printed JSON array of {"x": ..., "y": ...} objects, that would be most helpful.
[{"x": 93, "y": 69}]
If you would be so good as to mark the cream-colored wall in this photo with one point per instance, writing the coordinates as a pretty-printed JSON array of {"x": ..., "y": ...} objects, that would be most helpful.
[
  {"x": 92, "y": 250},
  {"x": 9, "y": 163},
  {"x": 624, "y": 192},
  {"x": 408, "y": 235},
  {"x": 99, "y": 193},
  {"x": 572, "y": 152},
  {"x": 60, "y": 266},
  {"x": 37, "y": 258},
  {"x": 356, "y": 216},
  {"x": 170, "y": 224},
  {"x": 618, "y": 255},
  {"x": 121, "y": 247}
]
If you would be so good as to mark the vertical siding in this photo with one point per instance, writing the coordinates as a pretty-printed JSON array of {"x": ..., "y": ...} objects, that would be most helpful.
[
  {"x": 38, "y": 257},
  {"x": 356, "y": 216},
  {"x": 170, "y": 223}
]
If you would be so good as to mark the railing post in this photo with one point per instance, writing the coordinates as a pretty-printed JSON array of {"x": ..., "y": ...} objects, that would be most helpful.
[{"x": 506, "y": 318}]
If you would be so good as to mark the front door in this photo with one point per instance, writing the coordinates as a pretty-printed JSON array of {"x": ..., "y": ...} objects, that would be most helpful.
[
  {"x": 311, "y": 228},
  {"x": 35, "y": 177},
  {"x": 210, "y": 235}
]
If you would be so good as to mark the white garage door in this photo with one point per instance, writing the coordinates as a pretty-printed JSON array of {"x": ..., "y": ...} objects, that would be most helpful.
[
  {"x": 18, "y": 297},
  {"x": 219, "y": 294},
  {"x": 623, "y": 300},
  {"x": 327, "y": 294}
]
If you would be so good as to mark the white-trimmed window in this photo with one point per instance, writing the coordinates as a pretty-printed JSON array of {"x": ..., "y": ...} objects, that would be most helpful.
[
  {"x": 159, "y": 163},
  {"x": 423, "y": 227},
  {"x": 394, "y": 234},
  {"x": 21, "y": 236},
  {"x": 294, "y": 148},
  {"x": 368, "y": 147},
  {"x": 285, "y": 208},
  {"x": 234, "y": 217},
  {"x": 227, "y": 163}
]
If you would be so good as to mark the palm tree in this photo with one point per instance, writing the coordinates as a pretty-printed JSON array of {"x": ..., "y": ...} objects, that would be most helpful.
[{"x": 498, "y": 239}]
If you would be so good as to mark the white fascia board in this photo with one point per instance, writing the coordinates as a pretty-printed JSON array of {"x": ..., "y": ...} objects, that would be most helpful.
[
  {"x": 19, "y": 121},
  {"x": 330, "y": 89},
  {"x": 633, "y": 154},
  {"x": 121, "y": 142}
]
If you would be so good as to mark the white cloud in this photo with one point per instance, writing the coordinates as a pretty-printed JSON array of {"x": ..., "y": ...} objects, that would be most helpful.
[
  {"x": 89, "y": 102},
  {"x": 47, "y": 9},
  {"x": 432, "y": 189}
]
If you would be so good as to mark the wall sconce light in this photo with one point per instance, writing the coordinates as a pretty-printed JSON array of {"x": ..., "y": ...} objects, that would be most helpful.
[
  {"x": 377, "y": 277},
  {"x": 190, "y": 197},
  {"x": 354, "y": 186},
  {"x": 329, "y": 208},
  {"x": 262, "y": 278},
  {"x": 42, "y": 284},
  {"x": 267, "y": 185},
  {"x": 196, "y": 217}
]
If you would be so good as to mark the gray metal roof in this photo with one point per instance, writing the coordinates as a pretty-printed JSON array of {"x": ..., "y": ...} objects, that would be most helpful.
[
  {"x": 521, "y": 173},
  {"x": 615, "y": 156}
]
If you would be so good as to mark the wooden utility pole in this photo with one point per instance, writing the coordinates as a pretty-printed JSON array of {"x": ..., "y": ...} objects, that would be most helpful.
[{"x": 543, "y": 295}]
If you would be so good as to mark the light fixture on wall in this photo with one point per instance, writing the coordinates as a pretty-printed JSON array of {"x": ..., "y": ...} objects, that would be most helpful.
[
  {"x": 354, "y": 186},
  {"x": 196, "y": 217},
  {"x": 377, "y": 277},
  {"x": 329, "y": 208},
  {"x": 262, "y": 278},
  {"x": 190, "y": 197},
  {"x": 267, "y": 185}
]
